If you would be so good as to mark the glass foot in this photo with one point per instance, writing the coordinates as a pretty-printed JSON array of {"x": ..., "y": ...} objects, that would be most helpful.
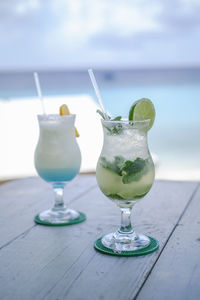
[
  {"x": 125, "y": 242},
  {"x": 152, "y": 247},
  {"x": 59, "y": 218}
]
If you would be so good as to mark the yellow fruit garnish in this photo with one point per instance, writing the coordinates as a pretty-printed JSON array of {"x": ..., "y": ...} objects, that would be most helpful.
[
  {"x": 76, "y": 132},
  {"x": 64, "y": 111}
]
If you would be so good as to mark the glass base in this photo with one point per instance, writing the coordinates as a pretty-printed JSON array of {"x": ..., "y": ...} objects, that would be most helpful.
[
  {"x": 153, "y": 246},
  {"x": 59, "y": 217},
  {"x": 125, "y": 242}
]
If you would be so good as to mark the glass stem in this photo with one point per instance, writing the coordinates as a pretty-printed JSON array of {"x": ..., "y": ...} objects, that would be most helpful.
[
  {"x": 58, "y": 196},
  {"x": 126, "y": 226}
]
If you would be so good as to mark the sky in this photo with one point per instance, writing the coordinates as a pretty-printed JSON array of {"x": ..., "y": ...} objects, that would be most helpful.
[{"x": 67, "y": 34}]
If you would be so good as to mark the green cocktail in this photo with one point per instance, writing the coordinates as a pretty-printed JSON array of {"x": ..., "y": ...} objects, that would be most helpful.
[{"x": 125, "y": 173}]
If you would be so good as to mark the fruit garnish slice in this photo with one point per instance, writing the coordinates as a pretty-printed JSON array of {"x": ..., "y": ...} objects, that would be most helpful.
[
  {"x": 143, "y": 109},
  {"x": 64, "y": 111},
  {"x": 76, "y": 132}
]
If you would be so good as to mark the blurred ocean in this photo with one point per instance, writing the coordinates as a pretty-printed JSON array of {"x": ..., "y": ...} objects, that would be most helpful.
[{"x": 175, "y": 137}]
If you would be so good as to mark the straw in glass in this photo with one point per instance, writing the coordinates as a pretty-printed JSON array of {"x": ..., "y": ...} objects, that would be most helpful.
[
  {"x": 37, "y": 83},
  {"x": 94, "y": 83}
]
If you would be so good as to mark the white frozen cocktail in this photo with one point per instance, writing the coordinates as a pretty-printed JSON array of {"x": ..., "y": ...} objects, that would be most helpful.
[{"x": 57, "y": 161}]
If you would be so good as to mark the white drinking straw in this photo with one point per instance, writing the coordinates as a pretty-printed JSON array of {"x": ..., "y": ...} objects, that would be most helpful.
[
  {"x": 37, "y": 83},
  {"x": 94, "y": 83}
]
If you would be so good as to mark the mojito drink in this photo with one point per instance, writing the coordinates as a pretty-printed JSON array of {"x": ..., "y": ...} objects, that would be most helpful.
[{"x": 125, "y": 170}]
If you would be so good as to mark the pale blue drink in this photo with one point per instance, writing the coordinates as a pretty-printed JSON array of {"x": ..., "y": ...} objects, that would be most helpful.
[{"x": 57, "y": 161}]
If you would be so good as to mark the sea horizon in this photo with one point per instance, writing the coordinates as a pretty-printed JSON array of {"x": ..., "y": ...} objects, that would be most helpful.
[
  {"x": 102, "y": 68},
  {"x": 14, "y": 84}
]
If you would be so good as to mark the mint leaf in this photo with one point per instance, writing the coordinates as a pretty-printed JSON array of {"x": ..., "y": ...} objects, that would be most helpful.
[
  {"x": 114, "y": 166},
  {"x": 101, "y": 113},
  {"x": 115, "y": 197},
  {"x": 129, "y": 170},
  {"x": 115, "y": 129},
  {"x": 117, "y": 118},
  {"x": 133, "y": 170},
  {"x": 119, "y": 161}
]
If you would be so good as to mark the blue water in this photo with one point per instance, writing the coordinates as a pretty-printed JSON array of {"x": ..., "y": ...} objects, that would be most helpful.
[
  {"x": 175, "y": 93},
  {"x": 177, "y": 104},
  {"x": 57, "y": 175}
]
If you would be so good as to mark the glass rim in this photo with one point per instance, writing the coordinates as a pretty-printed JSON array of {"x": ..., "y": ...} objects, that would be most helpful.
[
  {"x": 128, "y": 122},
  {"x": 54, "y": 117}
]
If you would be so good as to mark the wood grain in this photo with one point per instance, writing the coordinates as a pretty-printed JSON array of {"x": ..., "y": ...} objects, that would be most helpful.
[
  {"x": 177, "y": 272},
  {"x": 60, "y": 262},
  {"x": 21, "y": 200}
]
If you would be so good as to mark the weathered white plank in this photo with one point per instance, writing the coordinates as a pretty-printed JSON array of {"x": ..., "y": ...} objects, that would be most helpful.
[
  {"x": 21, "y": 200},
  {"x": 60, "y": 262},
  {"x": 177, "y": 272},
  {"x": 108, "y": 277}
]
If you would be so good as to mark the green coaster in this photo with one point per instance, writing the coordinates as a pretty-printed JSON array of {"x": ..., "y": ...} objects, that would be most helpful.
[
  {"x": 81, "y": 218},
  {"x": 153, "y": 246}
]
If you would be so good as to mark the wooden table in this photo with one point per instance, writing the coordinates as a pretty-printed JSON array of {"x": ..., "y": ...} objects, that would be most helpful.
[{"x": 41, "y": 262}]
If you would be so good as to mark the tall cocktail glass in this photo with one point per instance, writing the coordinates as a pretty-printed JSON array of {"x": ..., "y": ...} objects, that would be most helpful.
[
  {"x": 57, "y": 161},
  {"x": 125, "y": 174}
]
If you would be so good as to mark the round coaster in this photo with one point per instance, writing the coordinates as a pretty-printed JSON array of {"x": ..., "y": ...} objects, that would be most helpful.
[
  {"x": 153, "y": 246},
  {"x": 81, "y": 218}
]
